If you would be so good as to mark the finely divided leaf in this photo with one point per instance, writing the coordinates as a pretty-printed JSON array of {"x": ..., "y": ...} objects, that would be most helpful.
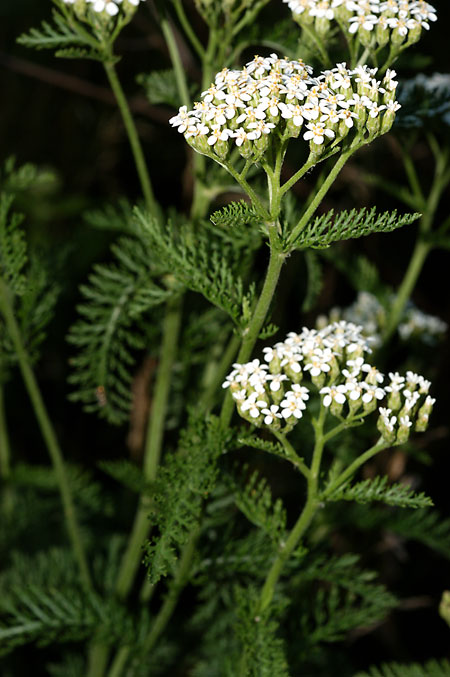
[
  {"x": 113, "y": 326},
  {"x": 433, "y": 668},
  {"x": 378, "y": 489},
  {"x": 256, "y": 502},
  {"x": 331, "y": 227},
  {"x": 68, "y": 39}
]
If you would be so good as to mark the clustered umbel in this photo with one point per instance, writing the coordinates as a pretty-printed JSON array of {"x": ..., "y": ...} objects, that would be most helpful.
[
  {"x": 374, "y": 22},
  {"x": 273, "y": 98},
  {"x": 368, "y": 312},
  {"x": 104, "y": 8},
  {"x": 332, "y": 361}
]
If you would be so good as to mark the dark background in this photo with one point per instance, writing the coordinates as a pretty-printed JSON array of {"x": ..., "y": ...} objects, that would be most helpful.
[{"x": 61, "y": 116}]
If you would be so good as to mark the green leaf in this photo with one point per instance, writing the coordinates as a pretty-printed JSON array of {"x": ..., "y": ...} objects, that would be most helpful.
[
  {"x": 199, "y": 262},
  {"x": 349, "y": 599},
  {"x": 127, "y": 473},
  {"x": 113, "y": 328},
  {"x": 378, "y": 489},
  {"x": 68, "y": 40},
  {"x": 13, "y": 248},
  {"x": 256, "y": 502},
  {"x": 433, "y": 668},
  {"x": 330, "y": 227},
  {"x": 186, "y": 479},
  {"x": 263, "y": 650}
]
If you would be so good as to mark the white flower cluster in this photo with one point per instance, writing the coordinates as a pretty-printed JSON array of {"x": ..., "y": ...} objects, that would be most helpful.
[
  {"x": 368, "y": 312},
  {"x": 271, "y": 392},
  {"x": 107, "y": 8},
  {"x": 418, "y": 324},
  {"x": 276, "y": 98},
  {"x": 377, "y": 21}
]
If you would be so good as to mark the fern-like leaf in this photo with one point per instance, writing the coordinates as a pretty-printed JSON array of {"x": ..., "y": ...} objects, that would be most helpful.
[
  {"x": 351, "y": 598},
  {"x": 67, "y": 37},
  {"x": 331, "y": 227},
  {"x": 13, "y": 248},
  {"x": 183, "y": 483},
  {"x": 127, "y": 473},
  {"x": 378, "y": 489},
  {"x": 263, "y": 649},
  {"x": 112, "y": 328},
  {"x": 198, "y": 262},
  {"x": 433, "y": 668},
  {"x": 256, "y": 502}
]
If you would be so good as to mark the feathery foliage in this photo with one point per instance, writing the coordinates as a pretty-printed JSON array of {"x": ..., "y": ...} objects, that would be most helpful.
[
  {"x": 126, "y": 473},
  {"x": 433, "y": 668},
  {"x": 34, "y": 609},
  {"x": 264, "y": 653},
  {"x": 198, "y": 262},
  {"x": 378, "y": 489},
  {"x": 330, "y": 227},
  {"x": 65, "y": 35},
  {"x": 256, "y": 502},
  {"x": 113, "y": 326},
  {"x": 13, "y": 248},
  {"x": 186, "y": 479},
  {"x": 350, "y": 598}
]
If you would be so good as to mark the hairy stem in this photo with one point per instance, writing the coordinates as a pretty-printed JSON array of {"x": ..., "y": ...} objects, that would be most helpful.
[
  {"x": 133, "y": 138},
  {"x": 48, "y": 434}
]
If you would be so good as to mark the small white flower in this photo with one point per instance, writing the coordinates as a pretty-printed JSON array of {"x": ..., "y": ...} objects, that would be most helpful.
[
  {"x": 317, "y": 132},
  {"x": 253, "y": 405},
  {"x": 271, "y": 414},
  {"x": 336, "y": 393}
]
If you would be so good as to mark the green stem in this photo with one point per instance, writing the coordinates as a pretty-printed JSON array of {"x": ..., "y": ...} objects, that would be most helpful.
[
  {"x": 251, "y": 333},
  {"x": 132, "y": 556},
  {"x": 421, "y": 248},
  {"x": 48, "y": 434},
  {"x": 353, "y": 467},
  {"x": 175, "y": 58},
  {"x": 304, "y": 520},
  {"x": 340, "y": 162},
  {"x": 184, "y": 21},
  {"x": 407, "y": 285},
  {"x": 133, "y": 138}
]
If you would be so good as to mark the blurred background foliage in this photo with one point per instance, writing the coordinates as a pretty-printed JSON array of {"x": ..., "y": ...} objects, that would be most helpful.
[{"x": 61, "y": 116}]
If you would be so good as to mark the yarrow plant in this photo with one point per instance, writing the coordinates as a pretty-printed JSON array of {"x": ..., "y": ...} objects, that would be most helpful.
[
  {"x": 332, "y": 360},
  {"x": 373, "y": 24},
  {"x": 243, "y": 455}
]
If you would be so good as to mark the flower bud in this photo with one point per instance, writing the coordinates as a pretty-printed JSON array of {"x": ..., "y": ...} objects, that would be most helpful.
[{"x": 404, "y": 429}]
